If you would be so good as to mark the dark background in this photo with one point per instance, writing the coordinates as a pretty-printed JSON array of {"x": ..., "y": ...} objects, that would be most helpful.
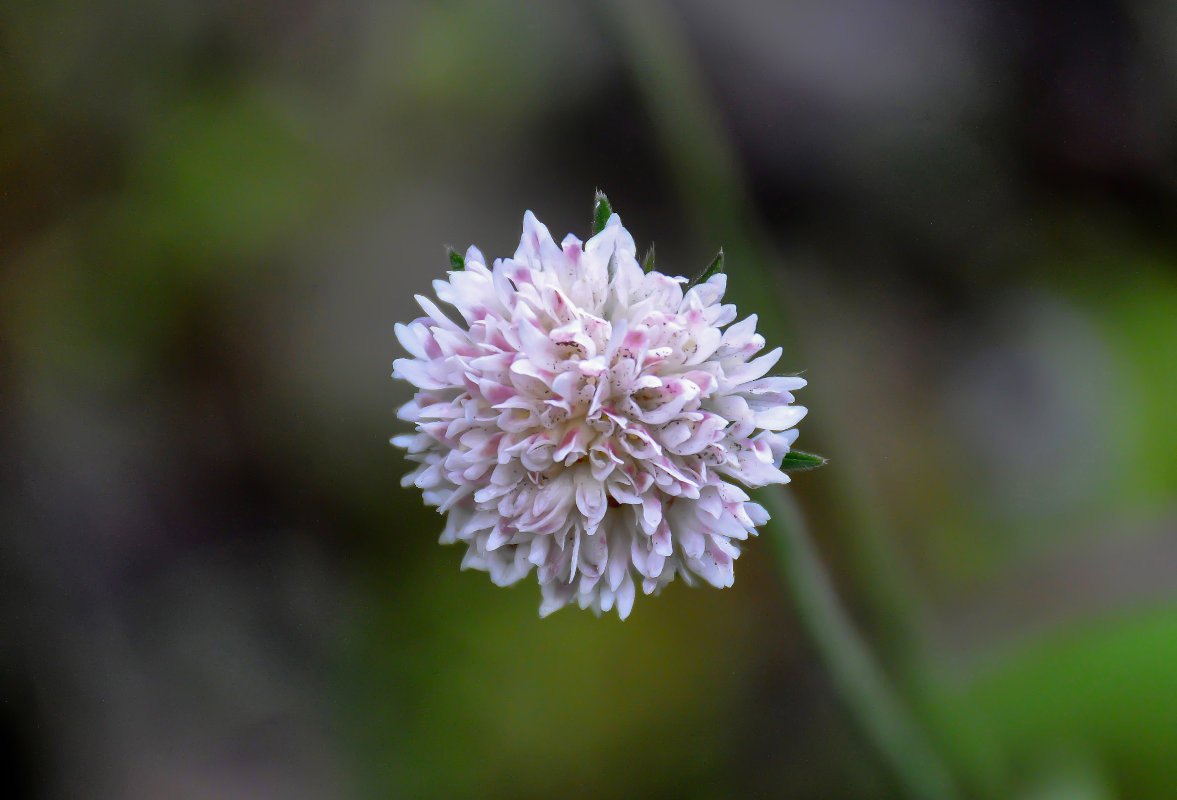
[{"x": 957, "y": 216}]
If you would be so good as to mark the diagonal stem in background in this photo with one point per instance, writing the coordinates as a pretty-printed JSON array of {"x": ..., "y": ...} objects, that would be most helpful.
[
  {"x": 705, "y": 165},
  {"x": 855, "y": 673}
]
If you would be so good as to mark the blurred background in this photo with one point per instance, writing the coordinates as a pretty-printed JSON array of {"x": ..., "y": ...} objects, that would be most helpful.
[{"x": 958, "y": 217}]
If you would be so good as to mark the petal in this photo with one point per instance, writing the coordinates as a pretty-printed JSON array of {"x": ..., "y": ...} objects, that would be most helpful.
[{"x": 780, "y": 417}]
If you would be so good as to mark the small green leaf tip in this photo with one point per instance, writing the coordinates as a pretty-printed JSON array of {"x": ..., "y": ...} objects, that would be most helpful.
[
  {"x": 714, "y": 268},
  {"x": 798, "y": 460},
  {"x": 457, "y": 260},
  {"x": 601, "y": 211},
  {"x": 648, "y": 261}
]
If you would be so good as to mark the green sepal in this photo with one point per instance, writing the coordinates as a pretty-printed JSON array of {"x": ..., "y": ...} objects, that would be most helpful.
[
  {"x": 714, "y": 268},
  {"x": 799, "y": 460},
  {"x": 457, "y": 260},
  {"x": 601, "y": 211},
  {"x": 648, "y": 260}
]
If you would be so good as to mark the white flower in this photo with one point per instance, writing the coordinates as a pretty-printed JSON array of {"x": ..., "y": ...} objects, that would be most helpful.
[{"x": 590, "y": 420}]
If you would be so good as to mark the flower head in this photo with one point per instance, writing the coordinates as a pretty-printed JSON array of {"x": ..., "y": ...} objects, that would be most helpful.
[{"x": 591, "y": 421}]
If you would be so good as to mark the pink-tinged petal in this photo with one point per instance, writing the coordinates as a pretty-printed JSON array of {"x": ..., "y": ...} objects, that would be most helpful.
[
  {"x": 533, "y": 243},
  {"x": 419, "y": 373},
  {"x": 555, "y": 596},
  {"x": 778, "y": 385},
  {"x": 605, "y": 601},
  {"x": 474, "y": 256},
  {"x": 410, "y": 340},
  {"x": 662, "y": 540},
  {"x": 756, "y": 514},
  {"x": 538, "y": 552},
  {"x": 756, "y": 368},
  {"x": 495, "y": 393},
  {"x": 704, "y": 345},
  {"x": 780, "y": 417},
  {"x": 625, "y": 597},
  {"x": 756, "y": 473},
  {"x": 624, "y": 493},
  {"x": 691, "y": 541},
  {"x": 639, "y": 444},
  {"x": 655, "y": 564},
  {"x": 537, "y": 346},
  {"x": 572, "y": 446},
  {"x": 643, "y": 480},
  {"x": 651, "y": 512},
  {"x": 456, "y": 496},
  {"x": 705, "y": 433},
  {"x": 618, "y": 565},
  {"x": 587, "y": 421},
  {"x": 728, "y": 526},
  {"x": 594, "y": 554},
  {"x": 575, "y": 561},
  {"x": 434, "y": 313},
  {"x": 710, "y": 503},
  {"x": 736, "y": 336},
  {"x": 498, "y": 537},
  {"x": 639, "y": 554}
]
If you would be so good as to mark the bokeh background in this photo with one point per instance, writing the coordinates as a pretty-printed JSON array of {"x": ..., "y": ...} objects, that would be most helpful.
[{"x": 958, "y": 216}]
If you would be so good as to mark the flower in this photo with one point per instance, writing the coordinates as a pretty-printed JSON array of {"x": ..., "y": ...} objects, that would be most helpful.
[{"x": 590, "y": 420}]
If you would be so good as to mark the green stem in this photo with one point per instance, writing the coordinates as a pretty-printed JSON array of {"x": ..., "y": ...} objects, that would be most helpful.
[
  {"x": 710, "y": 180},
  {"x": 855, "y": 673},
  {"x": 706, "y": 169}
]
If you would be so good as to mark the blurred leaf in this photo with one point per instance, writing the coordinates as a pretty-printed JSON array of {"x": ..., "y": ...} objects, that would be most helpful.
[
  {"x": 1069, "y": 776},
  {"x": 457, "y": 260},
  {"x": 1139, "y": 319},
  {"x": 450, "y": 63},
  {"x": 1107, "y": 687},
  {"x": 481, "y": 698},
  {"x": 218, "y": 177}
]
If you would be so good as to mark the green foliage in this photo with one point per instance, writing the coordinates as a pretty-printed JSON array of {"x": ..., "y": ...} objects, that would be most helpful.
[
  {"x": 1106, "y": 689},
  {"x": 500, "y": 703},
  {"x": 799, "y": 460},
  {"x": 601, "y": 211},
  {"x": 714, "y": 268},
  {"x": 185, "y": 207},
  {"x": 648, "y": 260},
  {"x": 218, "y": 177},
  {"x": 1139, "y": 319}
]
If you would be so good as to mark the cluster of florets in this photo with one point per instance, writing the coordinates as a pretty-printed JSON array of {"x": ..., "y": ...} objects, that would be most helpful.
[{"x": 590, "y": 420}]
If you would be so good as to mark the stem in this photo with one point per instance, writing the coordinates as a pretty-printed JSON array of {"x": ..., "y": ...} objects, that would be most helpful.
[
  {"x": 856, "y": 675},
  {"x": 709, "y": 179},
  {"x": 704, "y": 164}
]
